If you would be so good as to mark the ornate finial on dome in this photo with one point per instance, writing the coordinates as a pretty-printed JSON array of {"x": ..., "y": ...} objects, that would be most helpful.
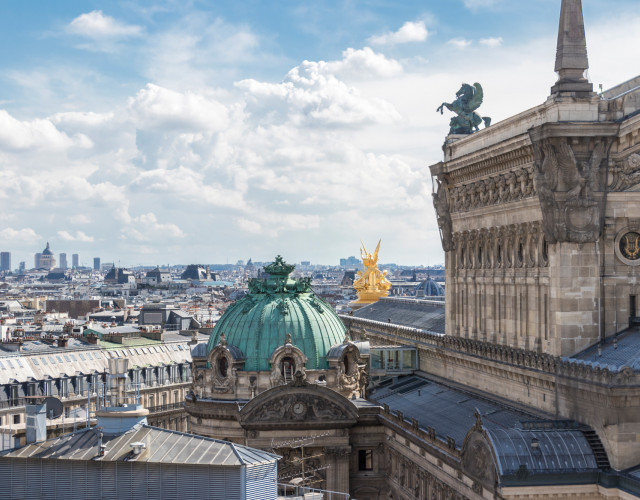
[
  {"x": 287, "y": 339},
  {"x": 223, "y": 340},
  {"x": 279, "y": 267}
]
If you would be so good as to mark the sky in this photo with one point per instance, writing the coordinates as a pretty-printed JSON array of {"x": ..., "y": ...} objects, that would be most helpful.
[{"x": 176, "y": 132}]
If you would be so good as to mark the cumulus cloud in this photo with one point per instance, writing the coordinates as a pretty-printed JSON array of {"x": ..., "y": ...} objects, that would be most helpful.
[
  {"x": 408, "y": 32},
  {"x": 460, "y": 43},
  {"x": 491, "y": 42},
  {"x": 312, "y": 94},
  {"x": 36, "y": 134},
  {"x": 363, "y": 63},
  {"x": 97, "y": 25},
  {"x": 155, "y": 107}
]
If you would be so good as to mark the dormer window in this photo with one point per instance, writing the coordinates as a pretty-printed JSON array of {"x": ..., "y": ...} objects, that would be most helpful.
[
  {"x": 223, "y": 366},
  {"x": 287, "y": 368}
]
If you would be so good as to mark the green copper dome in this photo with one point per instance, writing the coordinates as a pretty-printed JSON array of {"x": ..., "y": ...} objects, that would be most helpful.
[{"x": 276, "y": 306}]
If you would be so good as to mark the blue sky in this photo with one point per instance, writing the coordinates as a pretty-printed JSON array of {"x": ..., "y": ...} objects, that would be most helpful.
[{"x": 155, "y": 132}]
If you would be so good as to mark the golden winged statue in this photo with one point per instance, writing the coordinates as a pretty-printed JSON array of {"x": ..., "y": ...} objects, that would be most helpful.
[{"x": 372, "y": 283}]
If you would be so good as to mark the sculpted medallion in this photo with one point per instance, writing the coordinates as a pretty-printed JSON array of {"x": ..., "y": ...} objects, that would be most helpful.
[{"x": 628, "y": 246}]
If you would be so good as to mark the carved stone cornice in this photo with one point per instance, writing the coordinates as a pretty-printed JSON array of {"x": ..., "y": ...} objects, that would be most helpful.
[{"x": 487, "y": 163}]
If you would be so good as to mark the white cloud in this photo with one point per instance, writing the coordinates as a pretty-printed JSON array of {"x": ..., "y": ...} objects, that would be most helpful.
[
  {"x": 363, "y": 63},
  {"x": 460, "y": 43},
  {"x": 491, "y": 42},
  {"x": 36, "y": 134},
  {"x": 97, "y": 25},
  {"x": 26, "y": 235},
  {"x": 408, "y": 32},
  {"x": 80, "y": 236},
  {"x": 155, "y": 107},
  {"x": 147, "y": 228},
  {"x": 311, "y": 94}
]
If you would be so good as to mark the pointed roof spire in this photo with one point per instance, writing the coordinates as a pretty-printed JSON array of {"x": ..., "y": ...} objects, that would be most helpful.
[{"x": 571, "y": 53}]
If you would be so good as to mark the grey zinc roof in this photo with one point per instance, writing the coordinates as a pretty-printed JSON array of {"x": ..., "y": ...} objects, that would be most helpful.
[
  {"x": 39, "y": 365},
  {"x": 422, "y": 314},
  {"x": 625, "y": 351},
  {"x": 562, "y": 446},
  {"x": 162, "y": 446}
]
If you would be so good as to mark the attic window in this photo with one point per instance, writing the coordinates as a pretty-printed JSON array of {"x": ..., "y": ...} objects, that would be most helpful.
[{"x": 288, "y": 368}]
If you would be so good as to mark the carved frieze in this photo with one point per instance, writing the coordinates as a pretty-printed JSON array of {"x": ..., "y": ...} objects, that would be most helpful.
[
  {"x": 512, "y": 246},
  {"x": 306, "y": 405},
  {"x": 502, "y": 188}
]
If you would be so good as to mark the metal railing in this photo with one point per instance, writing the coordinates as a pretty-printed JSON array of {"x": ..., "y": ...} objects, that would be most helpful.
[
  {"x": 306, "y": 493},
  {"x": 167, "y": 407}
]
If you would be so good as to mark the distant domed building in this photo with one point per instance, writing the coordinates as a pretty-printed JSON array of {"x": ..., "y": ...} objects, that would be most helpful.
[
  {"x": 429, "y": 288},
  {"x": 279, "y": 358},
  {"x": 47, "y": 260}
]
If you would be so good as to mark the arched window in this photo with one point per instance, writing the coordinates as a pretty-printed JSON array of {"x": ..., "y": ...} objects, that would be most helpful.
[{"x": 223, "y": 366}]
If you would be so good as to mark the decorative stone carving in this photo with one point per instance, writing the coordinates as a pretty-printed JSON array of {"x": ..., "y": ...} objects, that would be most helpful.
[
  {"x": 503, "y": 188},
  {"x": 222, "y": 376},
  {"x": 287, "y": 353},
  {"x": 299, "y": 405},
  {"x": 516, "y": 245},
  {"x": 441, "y": 204},
  {"x": 625, "y": 174},
  {"x": 570, "y": 188},
  {"x": 477, "y": 459}
]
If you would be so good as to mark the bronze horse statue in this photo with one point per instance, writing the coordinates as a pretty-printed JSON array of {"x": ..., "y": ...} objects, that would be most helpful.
[{"x": 468, "y": 99}]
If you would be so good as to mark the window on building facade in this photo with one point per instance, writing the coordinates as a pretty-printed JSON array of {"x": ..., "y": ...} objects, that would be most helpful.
[{"x": 365, "y": 460}]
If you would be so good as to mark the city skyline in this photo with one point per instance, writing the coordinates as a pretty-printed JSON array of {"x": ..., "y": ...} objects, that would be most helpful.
[{"x": 197, "y": 133}]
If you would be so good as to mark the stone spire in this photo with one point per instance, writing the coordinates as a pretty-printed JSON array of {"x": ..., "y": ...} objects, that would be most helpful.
[{"x": 571, "y": 54}]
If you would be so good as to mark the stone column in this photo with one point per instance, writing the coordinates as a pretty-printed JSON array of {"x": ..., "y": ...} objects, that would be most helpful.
[{"x": 337, "y": 474}]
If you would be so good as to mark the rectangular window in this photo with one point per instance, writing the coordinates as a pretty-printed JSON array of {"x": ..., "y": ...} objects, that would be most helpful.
[
  {"x": 16, "y": 419},
  {"x": 35, "y": 362},
  {"x": 81, "y": 356},
  {"x": 9, "y": 363},
  {"x": 74, "y": 358},
  {"x": 67, "y": 358},
  {"x": 51, "y": 360},
  {"x": 632, "y": 306},
  {"x": 365, "y": 459},
  {"x": 59, "y": 359},
  {"x": 44, "y": 361}
]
